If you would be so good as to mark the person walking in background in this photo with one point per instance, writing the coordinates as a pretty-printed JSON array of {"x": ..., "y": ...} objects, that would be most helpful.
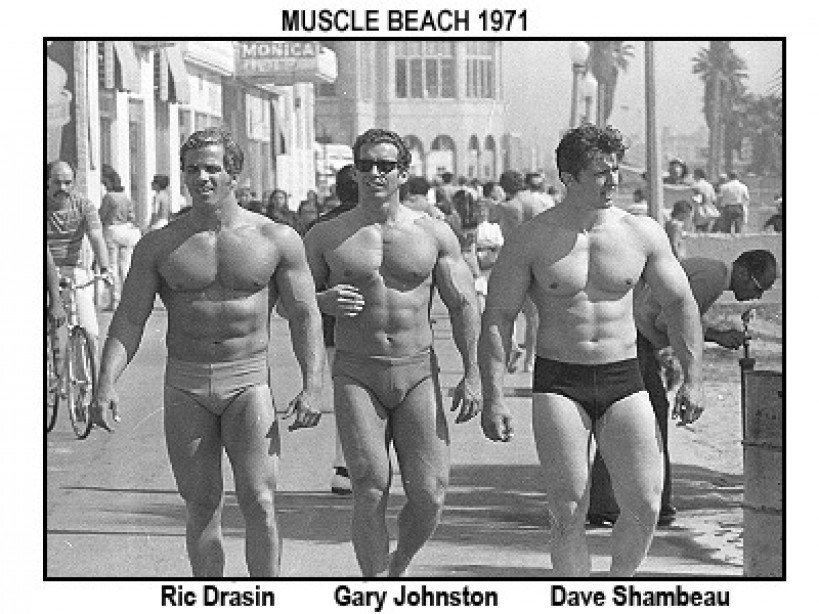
[
  {"x": 734, "y": 199},
  {"x": 119, "y": 230},
  {"x": 160, "y": 203},
  {"x": 580, "y": 262},
  {"x": 414, "y": 195},
  {"x": 278, "y": 209},
  {"x": 488, "y": 242},
  {"x": 219, "y": 270},
  {"x": 380, "y": 264},
  {"x": 308, "y": 211},
  {"x": 676, "y": 227},
  {"x": 536, "y": 188},
  {"x": 492, "y": 196},
  {"x": 750, "y": 275},
  {"x": 639, "y": 204},
  {"x": 705, "y": 203}
]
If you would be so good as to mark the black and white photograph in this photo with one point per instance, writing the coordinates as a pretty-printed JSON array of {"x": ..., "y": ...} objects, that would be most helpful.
[{"x": 412, "y": 303}]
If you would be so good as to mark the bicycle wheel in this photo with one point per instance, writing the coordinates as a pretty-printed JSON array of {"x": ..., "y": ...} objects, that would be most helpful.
[
  {"x": 82, "y": 380},
  {"x": 52, "y": 385}
]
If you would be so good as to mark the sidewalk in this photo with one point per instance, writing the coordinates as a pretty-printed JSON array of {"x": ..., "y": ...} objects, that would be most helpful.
[{"x": 115, "y": 512}]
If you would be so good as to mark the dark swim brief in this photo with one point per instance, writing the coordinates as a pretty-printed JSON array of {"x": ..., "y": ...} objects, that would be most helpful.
[
  {"x": 214, "y": 386},
  {"x": 595, "y": 387},
  {"x": 389, "y": 379}
]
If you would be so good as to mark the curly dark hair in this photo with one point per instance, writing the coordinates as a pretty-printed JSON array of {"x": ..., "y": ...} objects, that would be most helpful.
[
  {"x": 234, "y": 157},
  {"x": 758, "y": 262},
  {"x": 579, "y": 146},
  {"x": 374, "y": 136}
]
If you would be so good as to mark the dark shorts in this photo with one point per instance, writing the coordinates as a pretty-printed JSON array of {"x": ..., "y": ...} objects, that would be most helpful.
[
  {"x": 389, "y": 379},
  {"x": 595, "y": 387},
  {"x": 214, "y": 386}
]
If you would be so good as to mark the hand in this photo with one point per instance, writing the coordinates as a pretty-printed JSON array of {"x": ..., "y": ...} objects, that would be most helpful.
[
  {"x": 497, "y": 424},
  {"x": 731, "y": 339},
  {"x": 107, "y": 277},
  {"x": 105, "y": 400},
  {"x": 346, "y": 300},
  {"x": 689, "y": 403},
  {"x": 467, "y": 395},
  {"x": 302, "y": 407}
]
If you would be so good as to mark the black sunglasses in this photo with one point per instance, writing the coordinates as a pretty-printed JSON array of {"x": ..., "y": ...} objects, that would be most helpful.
[{"x": 384, "y": 166}]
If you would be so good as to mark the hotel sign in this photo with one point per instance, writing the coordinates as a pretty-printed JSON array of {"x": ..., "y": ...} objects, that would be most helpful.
[{"x": 285, "y": 62}]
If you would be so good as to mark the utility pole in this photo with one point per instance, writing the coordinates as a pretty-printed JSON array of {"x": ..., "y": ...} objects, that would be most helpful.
[{"x": 653, "y": 172}]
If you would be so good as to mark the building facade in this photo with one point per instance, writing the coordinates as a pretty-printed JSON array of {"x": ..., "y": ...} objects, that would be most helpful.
[
  {"x": 445, "y": 98},
  {"x": 130, "y": 105}
]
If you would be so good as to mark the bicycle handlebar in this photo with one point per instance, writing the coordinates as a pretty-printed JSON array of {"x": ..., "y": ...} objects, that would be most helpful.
[{"x": 67, "y": 283}]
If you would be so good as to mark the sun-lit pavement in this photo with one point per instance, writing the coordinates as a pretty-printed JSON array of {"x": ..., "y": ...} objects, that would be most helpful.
[{"x": 113, "y": 510}]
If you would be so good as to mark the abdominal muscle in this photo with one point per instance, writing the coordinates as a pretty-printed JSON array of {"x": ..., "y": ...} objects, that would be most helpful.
[
  {"x": 203, "y": 327},
  {"x": 393, "y": 323},
  {"x": 576, "y": 330}
]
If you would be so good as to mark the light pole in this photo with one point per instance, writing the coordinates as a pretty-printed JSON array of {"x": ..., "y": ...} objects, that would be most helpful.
[
  {"x": 579, "y": 53},
  {"x": 588, "y": 89}
]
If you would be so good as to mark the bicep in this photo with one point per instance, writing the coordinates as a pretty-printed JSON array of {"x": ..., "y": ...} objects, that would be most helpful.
[
  {"x": 510, "y": 279},
  {"x": 292, "y": 278},
  {"x": 665, "y": 275},
  {"x": 141, "y": 285},
  {"x": 453, "y": 278},
  {"x": 315, "y": 258}
]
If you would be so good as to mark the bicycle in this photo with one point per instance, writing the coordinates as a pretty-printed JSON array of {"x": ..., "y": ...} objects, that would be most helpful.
[{"x": 77, "y": 382}]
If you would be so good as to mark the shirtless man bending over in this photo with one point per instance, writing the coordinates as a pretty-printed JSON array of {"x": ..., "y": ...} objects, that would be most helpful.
[
  {"x": 379, "y": 263},
  {"x": 219, "y": 270},
  {"x": 579, "y": 262}
]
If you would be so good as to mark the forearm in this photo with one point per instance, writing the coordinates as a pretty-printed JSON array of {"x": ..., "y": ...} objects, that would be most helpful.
[
  {"x": 100, "y": 249},
  {"x": 465, "y": 331},
  {"x": 493, "y": 347},
  {"x": 686, "y": 336},
  {"x": 306, "y": 338}
]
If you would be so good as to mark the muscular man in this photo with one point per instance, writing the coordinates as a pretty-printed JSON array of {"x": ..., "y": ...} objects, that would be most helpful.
[
  {"x": 380, "y": 263},
  {"x": 69, "y": 218},
  {"x": 219, "y": 270},
  {"x": 580, "y": 261},
  {"x": 748, "y": 277}
]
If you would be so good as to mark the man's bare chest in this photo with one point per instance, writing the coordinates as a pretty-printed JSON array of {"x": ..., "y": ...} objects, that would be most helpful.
[
  {"x": 237, "y": 261},
  {"x": 610, "y": 265},
  {"x": 405, "y": 255}
]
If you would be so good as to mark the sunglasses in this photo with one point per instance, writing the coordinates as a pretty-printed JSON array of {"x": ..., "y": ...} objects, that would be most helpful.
[{"x": 384, "y": 166}]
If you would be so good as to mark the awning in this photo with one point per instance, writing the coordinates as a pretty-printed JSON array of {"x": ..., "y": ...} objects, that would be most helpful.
[
  {"x": 128, "y": 64},
  {"x": 178, "y": 74}
]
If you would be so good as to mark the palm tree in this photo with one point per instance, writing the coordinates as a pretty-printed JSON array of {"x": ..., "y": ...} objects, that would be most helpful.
[
  {"x": 723, "y": 72},
  {"x": 606, "y": 60}
]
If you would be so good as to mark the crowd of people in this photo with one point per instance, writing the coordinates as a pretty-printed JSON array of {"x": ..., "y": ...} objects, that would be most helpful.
[{"x": 354, "y": 277}]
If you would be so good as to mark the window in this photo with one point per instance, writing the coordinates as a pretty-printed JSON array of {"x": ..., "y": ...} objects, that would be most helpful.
[
  {"x": 424, "y": 69},
  {"x": 480, "y": 69}
]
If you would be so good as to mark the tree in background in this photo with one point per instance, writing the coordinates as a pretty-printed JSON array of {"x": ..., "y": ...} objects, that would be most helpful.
[
  {"x": 723, "y": 73},
  {"x": 606, "y": 60}
]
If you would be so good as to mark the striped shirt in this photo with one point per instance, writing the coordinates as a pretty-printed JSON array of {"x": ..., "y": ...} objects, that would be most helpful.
[{"x": 66, "y": 227}]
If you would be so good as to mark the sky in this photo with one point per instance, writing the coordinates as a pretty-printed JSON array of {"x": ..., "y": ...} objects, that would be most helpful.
[{"x": 538, "y": 76}]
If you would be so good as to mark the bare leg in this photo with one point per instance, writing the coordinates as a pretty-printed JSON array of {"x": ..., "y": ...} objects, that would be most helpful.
[
  {"x": 195, "y": 451},
  {"x": 421, "y": 440},
  {"x": 562, "y": 432},
  {"x": 362, "y": 427},
  {"x": 630, "y": 442},
  {"x": 251, "y": 437}
]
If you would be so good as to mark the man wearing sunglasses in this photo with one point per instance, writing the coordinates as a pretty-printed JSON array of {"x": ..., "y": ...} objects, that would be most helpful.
[
  {"x": 748, "y": 277},
  {"x": 380, "y": 263}
]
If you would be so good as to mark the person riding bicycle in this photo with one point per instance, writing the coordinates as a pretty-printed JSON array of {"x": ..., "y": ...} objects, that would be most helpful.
[{"x": 69, "y": 218}]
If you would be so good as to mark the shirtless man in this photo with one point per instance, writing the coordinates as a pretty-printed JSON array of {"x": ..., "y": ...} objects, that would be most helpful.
[
  {"x": 379, "y": 263},
  {"x": 579, "y": 262},
  {"x": 219, "y": 271}
]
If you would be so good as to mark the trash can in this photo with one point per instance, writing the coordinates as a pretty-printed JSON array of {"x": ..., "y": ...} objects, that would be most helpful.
[{"x": 762, "y": 458}]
